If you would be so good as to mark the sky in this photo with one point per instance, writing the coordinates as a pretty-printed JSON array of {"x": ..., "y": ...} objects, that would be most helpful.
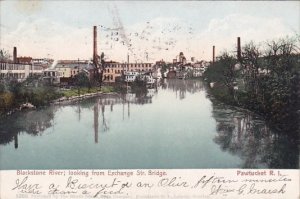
[{"x": 147, "y": 31}]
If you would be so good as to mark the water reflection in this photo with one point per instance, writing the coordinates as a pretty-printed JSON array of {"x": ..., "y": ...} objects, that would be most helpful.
[
  {"x": 96, "y": 122},
  {"x": 244, "y": 139},
  {"x": 244, "y": 134},
  {"x": 31, "y": 122},
  {"x": 181, "y": 87}
]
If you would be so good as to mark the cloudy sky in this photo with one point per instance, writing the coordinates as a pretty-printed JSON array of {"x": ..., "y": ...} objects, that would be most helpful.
[{"x": 147, "y": 31}]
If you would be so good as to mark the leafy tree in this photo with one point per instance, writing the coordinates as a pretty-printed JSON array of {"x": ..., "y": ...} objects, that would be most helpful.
[
  {"x": 271, "y": 81},
  {"x": 250, "y": 63},
  {"x": 18, "y": 90},
  {"x": 229, "y": 72},
  {"x": 102, "y": 61},
  {"x": 99, "y": 68},
  {"x": 2, "y": 87},
  {"x": 81, "y": 80}
]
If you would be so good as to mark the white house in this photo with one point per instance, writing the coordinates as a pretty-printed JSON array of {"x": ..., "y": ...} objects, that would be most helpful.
[{"x": 130, "y": 76}]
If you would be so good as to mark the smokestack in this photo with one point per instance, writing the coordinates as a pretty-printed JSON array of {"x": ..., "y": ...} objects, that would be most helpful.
[
  {"x": 15, "y": 55},
  {"x": 95, "y": 45},
  {"x": 213, "y": 54},
  {"x": 128, "y": 59},
  {"x": 239, "y": 56}
]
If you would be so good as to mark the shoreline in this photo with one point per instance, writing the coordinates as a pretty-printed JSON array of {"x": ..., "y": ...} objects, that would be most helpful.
[
  {"x": 63, "y": 100},
  {"x": 273, "y": 126},
  {"x": 59, "y": 101}
]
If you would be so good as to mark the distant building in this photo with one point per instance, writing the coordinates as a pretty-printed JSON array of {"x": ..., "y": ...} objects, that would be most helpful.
[
  {"x": 51, "y": 76},
  {"x": 18, "y": 71},
  {"x": 114, "y": 70},
  {"x": 24, "y": 60},
  {"x": 21, "y": 68},
  {"x": 64, "y": 71},
  {"x": 42, "y": 62},
  {"x": 130, "y": 76},
  {"x": 182, "y": 58}
]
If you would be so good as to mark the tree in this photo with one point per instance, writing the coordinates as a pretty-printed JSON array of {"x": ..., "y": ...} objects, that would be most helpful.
[
  {"x": 281, "y": 58},
  {"x": 2, "y": 87},
  {"x": 228, "y": 63},
  {"x": 99, "y": 66},
  {"x": 271, "y": 81},
  {"x": 250, "y": 63},
  {"x": 81, "y": 80},
  {"x": 102, "y": 61}
]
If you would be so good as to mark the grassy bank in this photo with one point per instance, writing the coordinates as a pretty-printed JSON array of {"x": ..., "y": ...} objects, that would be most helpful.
[
  {"x": 14, "y": 94},
  {"x": 82, "y": 91}
]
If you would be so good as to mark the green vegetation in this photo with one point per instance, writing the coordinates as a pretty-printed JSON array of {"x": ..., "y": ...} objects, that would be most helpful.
[
  {"x": 74, "y": 91},
  {"x": 107, "y": 89},
  {"x": 139, "y": 85},
  {"x": 265, "y": 81},
  {"x": 85, "y": 90},
  {"x": 14, "y": 93},
  {"x": 164, "y": 68}
]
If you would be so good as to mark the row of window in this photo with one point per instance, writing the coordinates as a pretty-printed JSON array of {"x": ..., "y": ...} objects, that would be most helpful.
[
  {"x": 108, "y": 77},
  {"x": 36, "y": 68},
  {"x": 12, "y": 75},
  {"x": 130, "y": 77},
  {"x": 126, "y": 65},
  {"x": 5, "y": 66},
  {"x": 50, "y": 73},
  {"x": 111, "y": 70},
  {"x": 120, "y": 71}
]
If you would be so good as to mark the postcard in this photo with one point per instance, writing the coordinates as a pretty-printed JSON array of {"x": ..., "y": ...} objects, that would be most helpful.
[{"x": 149, "y": 99}]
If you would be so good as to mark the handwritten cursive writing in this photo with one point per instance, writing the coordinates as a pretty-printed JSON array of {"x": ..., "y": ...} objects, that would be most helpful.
[
  {"x": 209, "y": 185},
  {"x": 23, "y": 187}
]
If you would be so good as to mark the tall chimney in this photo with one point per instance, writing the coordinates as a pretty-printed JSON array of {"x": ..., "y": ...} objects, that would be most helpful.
[
  {"x": 239, "y": 56},
  {"x": 95, "y": 45},
  {"x": 128, "y": 58},
  {"x": 213, "y": 54},
  {"x": 15, "y": 55}
]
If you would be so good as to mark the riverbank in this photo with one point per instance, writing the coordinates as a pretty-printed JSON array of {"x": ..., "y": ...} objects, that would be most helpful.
[
  {"x": 44, "y": 96},
  {"x": 80, "y": 97},
  {"x": 278, "y": 106},
  {"x": 279, "y": 120},
  {"x": 263, "y": 81}
]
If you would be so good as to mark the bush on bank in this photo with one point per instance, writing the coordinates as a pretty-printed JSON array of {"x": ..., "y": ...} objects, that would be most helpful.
[{"x": 264, "y": 81}]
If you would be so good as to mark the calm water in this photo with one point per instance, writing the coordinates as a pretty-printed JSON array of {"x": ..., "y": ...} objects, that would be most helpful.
[{"x": 177, "y": 125}]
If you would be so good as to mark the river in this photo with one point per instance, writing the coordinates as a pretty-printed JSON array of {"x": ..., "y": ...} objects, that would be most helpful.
[{"x": 174, "y": 126}]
